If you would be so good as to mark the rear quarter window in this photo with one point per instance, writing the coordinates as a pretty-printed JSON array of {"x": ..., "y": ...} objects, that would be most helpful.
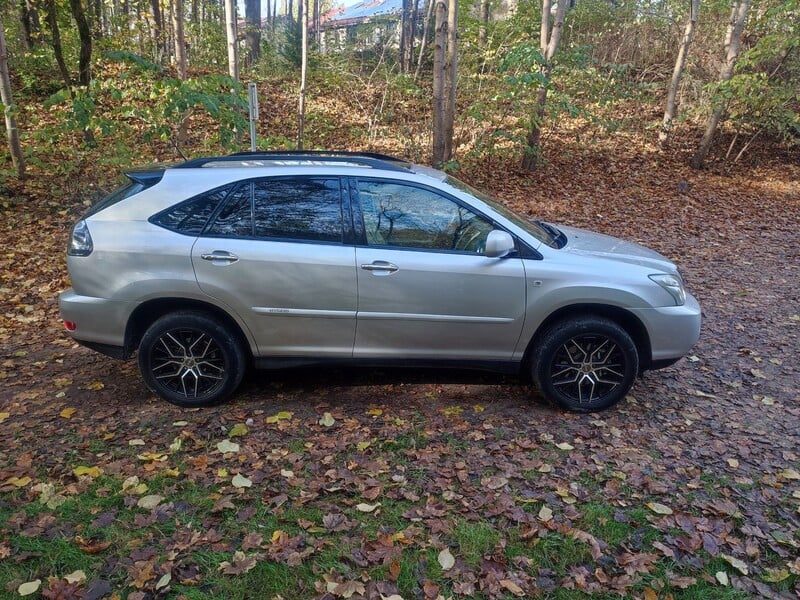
[{"x": 191, "y": 216}]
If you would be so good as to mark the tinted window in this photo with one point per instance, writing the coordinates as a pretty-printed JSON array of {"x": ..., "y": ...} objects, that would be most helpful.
[
  {"x": 413, "y": 217},
  {"x": 190, "y": 217},
  {"x": 236, "y": 217},
  {"x": 300, "y": 209}
]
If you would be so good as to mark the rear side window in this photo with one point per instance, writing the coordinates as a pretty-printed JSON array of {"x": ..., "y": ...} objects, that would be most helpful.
[
  {"x": 190, "y": 217},
  {"x": 299, "y": 209}
]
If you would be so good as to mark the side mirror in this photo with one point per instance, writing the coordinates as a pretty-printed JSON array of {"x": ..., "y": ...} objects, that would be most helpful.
[{"x": 499, "y": 244}]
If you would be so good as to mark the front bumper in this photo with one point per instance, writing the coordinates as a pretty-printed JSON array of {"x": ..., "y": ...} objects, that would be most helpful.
[{"x": 673, "y": 330}]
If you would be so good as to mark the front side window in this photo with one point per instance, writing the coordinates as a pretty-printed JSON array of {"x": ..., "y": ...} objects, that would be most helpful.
[
  {"x": 413, "y": 217},
  {"x": 298, "y": 209}
]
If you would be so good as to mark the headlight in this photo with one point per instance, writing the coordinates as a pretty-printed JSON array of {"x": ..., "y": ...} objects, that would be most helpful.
[
  {"x": 673, "y": 284},
  {"x": 80, "y": 243}
]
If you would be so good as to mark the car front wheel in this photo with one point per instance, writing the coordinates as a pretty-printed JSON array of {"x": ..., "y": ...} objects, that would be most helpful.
[
  {"x": 190, "y": 359},
  {"x": 585, "y": 364}
]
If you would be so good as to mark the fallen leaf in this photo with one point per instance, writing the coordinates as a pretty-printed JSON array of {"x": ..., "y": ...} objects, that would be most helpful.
[
  {"x": 446, "y": 559},
  {"x": 737, "y": 564},
  {"x": 241, "y": 563},
  {"x": 136, "y": 442},
  {"x": 375, "y": 412},
  {"x": 511, "y": 587},
  {"x": 733, "y": 463},
  {"x": 226, "y": 446},
  {"x": 240, "y": 481},
  {"x": 327, "y": 420},
  {"x": 789, "y": 474},
  {"x": 659, "y": 509},
  {"x": 67, "y": 412},
  {"x": 76, "y": 577},
  {"x": 565, "y": 446},
  {"x": 166, "y": 578},
  {"x": 19, "y": 481},
  {"x": 361, "y": 446},
  {"x": 452, "y": 410},
  {"x": 149, "y": 502},
  {"x": 95, "y": 386},
  {"x": 4, "y": 416},
  {"x": 545, "y": 513},
  {"x": 238, "y": 430},
  {"x": 88, "y": 471},
  {"x": 722, "y": 578},
  {"x": 284, "y": 415},
  {"x": 367, "y": 508},
  {"x": 775, "y": 575},
  {"x": 31, "y": 587}
]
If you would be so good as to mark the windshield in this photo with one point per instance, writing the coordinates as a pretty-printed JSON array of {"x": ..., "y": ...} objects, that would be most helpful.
[{"x": 547, "y": 234}]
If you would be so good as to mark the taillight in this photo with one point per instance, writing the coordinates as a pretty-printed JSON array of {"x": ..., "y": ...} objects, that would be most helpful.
[
  {"x": 80, "y": 243},
  {"x": 70, "y": 325}
]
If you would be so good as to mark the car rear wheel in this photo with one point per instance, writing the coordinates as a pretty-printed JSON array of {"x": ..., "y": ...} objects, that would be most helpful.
[
  {"x": 585, "y": 364},
  {"x": 191, "y": 359}
]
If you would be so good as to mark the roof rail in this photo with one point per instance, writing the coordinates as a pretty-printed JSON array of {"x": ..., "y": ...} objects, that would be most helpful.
[{"x": 366, "y": 159}]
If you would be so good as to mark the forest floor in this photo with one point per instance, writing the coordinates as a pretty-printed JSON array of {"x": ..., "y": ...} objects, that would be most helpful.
[{"x": 341, "y": 484}]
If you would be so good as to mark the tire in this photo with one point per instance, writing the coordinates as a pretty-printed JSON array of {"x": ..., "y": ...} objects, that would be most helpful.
[
  {"x": 585, "y": 364},
  {"x": 190, "y": 359}
]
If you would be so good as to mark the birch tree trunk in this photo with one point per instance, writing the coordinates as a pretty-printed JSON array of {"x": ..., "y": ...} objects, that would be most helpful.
[
  {"x": 180, "y": 38},
  {"x": 439, "y": 43},
  {"x": 732, "y": 47},
  {"x": 549, "y": 38},
  {"x": 677, "y": 73},
  {"x": 233, "y": 46},
  {"x": 302, "y": 9},
  {"x": 14, "y": 146}
]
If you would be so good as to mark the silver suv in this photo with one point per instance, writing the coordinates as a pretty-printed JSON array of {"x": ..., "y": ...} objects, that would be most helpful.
[{"x": 292, "y": 258}]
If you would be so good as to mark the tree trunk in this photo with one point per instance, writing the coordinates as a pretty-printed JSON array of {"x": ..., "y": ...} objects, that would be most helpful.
[
  {"x": 180, "y": 38},
  {"x": 26, "y": 22},
  {"x": 302, "y": 11},
  {"x": 158, "y": 29},
  {"x": 406, "y": 37},
  {"x": 14, "y": 146},
  {"x": 451, "y": 72},
  {"x": 484, "y": 9},
  {"x": 233, "y": 46},
  {"x": 85, "y": 34},
  {"x": 439, "y": 101},
  {"x": 549, "y": 38},
  {"x": 252, "y": 17},
  {"x": 424, "y": 41},
  {"x": 732, "y": 47},
  {"x": 55, "y": 34},
  {"x": 677, "y": 73}
]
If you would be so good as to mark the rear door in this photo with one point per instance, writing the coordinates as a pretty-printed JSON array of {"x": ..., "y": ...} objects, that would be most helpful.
[
  {"x": 425, "y": 289},
  {"x": 275, "y": 254}
]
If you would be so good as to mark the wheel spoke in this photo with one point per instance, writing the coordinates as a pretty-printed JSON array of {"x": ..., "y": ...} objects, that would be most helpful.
[
  {"x": 188, "y": 362},
  {"x": 588, "y": 367}
]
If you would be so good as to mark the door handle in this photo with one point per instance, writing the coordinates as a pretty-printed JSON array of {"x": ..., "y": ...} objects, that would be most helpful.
[
  {"x": 220, "y": 256},
  {"x": 380, "y": 267}
]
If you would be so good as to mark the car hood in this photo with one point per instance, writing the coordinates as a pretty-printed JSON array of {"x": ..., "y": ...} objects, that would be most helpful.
[{"x": 589, "y": 243}]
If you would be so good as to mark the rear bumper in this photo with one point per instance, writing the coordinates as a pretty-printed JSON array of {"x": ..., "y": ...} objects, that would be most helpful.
[
  {"x": 673, "y": 330},
  {"x": 100, "y": 323}
]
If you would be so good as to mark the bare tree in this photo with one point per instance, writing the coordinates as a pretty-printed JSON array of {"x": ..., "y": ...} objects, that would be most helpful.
[
  {"x": 158, "y": 25},
  {"x": 252, "y": 18},
  {"x": 451, "y": 71},
  {"x": 302, "y": 9},
  {"x": 677, "y": 73},
  {"x": 439, "y": 47},
  {"x": 180, "y": 38},
  {"x": 732, "y": 47},
  {"x": 8, "y": 102},
  {"x": 233, "y": 47},
  {"x": 549, "y": 38},
  {"x": 424, "y": 42},
  {"x": 85, "y": 35},
  {"x": 55, "y": 37}
]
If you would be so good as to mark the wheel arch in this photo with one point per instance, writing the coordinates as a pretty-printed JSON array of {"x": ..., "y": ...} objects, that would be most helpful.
[
  {"x": 627, "y": 320},
  {"x": 150, "y": 311}
]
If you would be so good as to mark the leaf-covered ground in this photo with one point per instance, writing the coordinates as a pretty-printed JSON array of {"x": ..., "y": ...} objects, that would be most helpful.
[{"x": 341, "y": 484}]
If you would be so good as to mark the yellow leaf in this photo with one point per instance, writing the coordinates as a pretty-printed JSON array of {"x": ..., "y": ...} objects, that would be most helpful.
[
  {"x": 4, "y": 416},
  {"x": 775, "y": 575},
  {"x": 136, "y": 442},
  {"x": 367, "y": 508},
  {"x": 31, "y": 587},
  {"x": 152, "y": 456},
  {"x": 276, "y": 535},
  {"x": 733, "y": 463},
  {"x": 565, "y": 446},
  {"x": 223, "y": 472},
  {"x": 327, "y": 420},
  {"x": 361, "y": 446},
  {"x": 149, "y": 502},
  {"x": 399, "y": 422},
  {"x": 75, "y": 577},
  {"x": 240, "y": 481},
  {"x": 284, "y": 415},
  {"x": 171, "y": 472},
  {"x": 446, "y": 559},
  {"x": 375, "y": 412},
  {"x": 659, "y": 509},
  {"x": 68, "y": 412},
  {"x": 722, "y": 578},
  {"x": 545, "y": 513},
  {"x": 95, "y": 386},
  {"x": 19, "y": 481},
  {"x": 88, "y": 471},
  {"x": 452, "y": 410},
  {"x": 478, "y": 408},
  {"x": 789, "y": 474},
  {"x": 736, "y": 564},
  {"x": 238, "y": 430},
  {"x": 176, "y": 444},
  {"x": 180, "y": 423}
]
